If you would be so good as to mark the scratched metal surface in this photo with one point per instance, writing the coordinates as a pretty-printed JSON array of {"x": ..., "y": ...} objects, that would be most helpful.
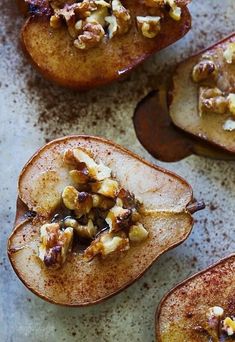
[{"x": 33, "y": 111}]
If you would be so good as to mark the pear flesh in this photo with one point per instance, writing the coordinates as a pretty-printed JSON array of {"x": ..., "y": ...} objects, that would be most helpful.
[
  {"x": 164, "y": 196},
  {"x": 196, "y": 309}
]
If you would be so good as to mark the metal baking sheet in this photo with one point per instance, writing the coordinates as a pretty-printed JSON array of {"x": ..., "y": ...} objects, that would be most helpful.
[{"x": 32, "y": 111}]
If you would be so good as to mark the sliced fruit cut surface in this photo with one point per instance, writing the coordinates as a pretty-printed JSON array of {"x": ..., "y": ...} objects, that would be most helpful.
[
  {"x": 204, "y": 107},
  {"x": 201, "y": 308},
  {"x": 53, "y": 53},
  {"x": 164, "y": 213},
  {"x": 162, "y": 139}
]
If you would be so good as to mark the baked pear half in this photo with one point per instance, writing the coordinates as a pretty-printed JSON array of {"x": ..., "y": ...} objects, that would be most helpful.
[
  {"x": 201, "y": 308},
  {"x": 89, "y": 43},
  {"x": 202, "y": 99},
  {"x": 92, "y": 217},
  {"x": 162, "y": 139}
]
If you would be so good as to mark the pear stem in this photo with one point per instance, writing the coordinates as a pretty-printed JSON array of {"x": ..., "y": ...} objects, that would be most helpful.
[{"x": 196, "y": 206}]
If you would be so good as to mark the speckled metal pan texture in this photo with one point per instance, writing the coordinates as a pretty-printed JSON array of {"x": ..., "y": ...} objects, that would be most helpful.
[{"x": 32, "y": 112}]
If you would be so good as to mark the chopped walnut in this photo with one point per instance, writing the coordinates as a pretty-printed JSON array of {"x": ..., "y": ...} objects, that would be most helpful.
[
  {"x": 113, "y": 26},
  {"x": 69, "y": 158},
  {"x": 231, "y": 103},
  {"x": 96, "y": 171},
  {"x": 106, "y": 244},
  {"x": 217, "y": 105},
  {"x": 229, "y": 326},
  {"x": 149, "y": 26},
  {"x": 80, "y": 202},
  {"x": 205, "y": 69},
  {"x": 55, "y": 244},
  {"x": 229, "y": 53},
  {"x": 123, "y": 16},
  {"x": 175, "y": 11},
  {"x": 128, "y": 199},
  {"x": 107, "y": 187},
  {"x": 85, "y": 21},
  {"x": 57, "y": 4},
  {"x": 214, "y": 316},
  {"x": 120, "y": 20},
  {"x": 119, "y": 218},
  {"x": 86, "y": 231},
  {"x": 81, "y": 9},
  {"x": 215, "y": 319},
  {"x": 70, "y": 197},
  {"x": 69, "y": 13},
  {"x": 55, "y": 21},
  {"x": 212, "y": 100},
  {"x": 84, "y": 204},
  {"x": 102, "y": 202},
  {"x": 99, "y": 15},
  {"x": 80, "y": 176},
  {"x": 70, "y": 222},
  {"x": 91, "y": 36}
]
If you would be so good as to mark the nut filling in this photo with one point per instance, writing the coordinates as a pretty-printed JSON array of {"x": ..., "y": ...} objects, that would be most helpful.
[
  {"x": 215, "y": 76},
  {"x": 96, "y": 212},
  {"x": 219, "y": 326},
  {"x": 89, "y": 22}
]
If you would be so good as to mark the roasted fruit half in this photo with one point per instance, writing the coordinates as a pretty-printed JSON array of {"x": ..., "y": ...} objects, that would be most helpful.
[
  {"x": 201, "y": 308},
  {"x": 202, "y": 99},
  {"x": 84, "y": 44},
  {"x": 92, "y": 217},
  {"x": 162, "y": 139}
]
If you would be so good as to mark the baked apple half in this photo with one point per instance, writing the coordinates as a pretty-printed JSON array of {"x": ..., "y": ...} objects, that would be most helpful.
[
  {"x": 88, "y": 43},
  {"x": 202, "y": 99},
  {"x": 92, "y": 217},
  {"x": 201, "y": 308}
]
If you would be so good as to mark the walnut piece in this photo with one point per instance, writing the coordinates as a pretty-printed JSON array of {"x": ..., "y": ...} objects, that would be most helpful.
[
  {"x": 86, "y": 231},
  {"x": 55, "y": 21},
  {"x": 91, "y": 36},
  {"x": 205, "y": 69},
  {"x": 99, "y": 15},
  {"x": 55, "y": 244},
  {"x": 229, "y": 53},
  {"x": 97, "y": 171},
  {"x": 231, "y": 103},
  {"x": 80, "y": 202},
  {"x": 120, "y": 20},
  {"x": 175, "y": 11},
  {"x": 212, "y": 100},
  {"x": 106, "y": 244},
  {"x": 229, "y": 326},
  {"x": 80, "y": 176},
  {"x": 119, "y": 218},
  {"x": 107, "y": 187},
  {"x": 149, "y": 25}
]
